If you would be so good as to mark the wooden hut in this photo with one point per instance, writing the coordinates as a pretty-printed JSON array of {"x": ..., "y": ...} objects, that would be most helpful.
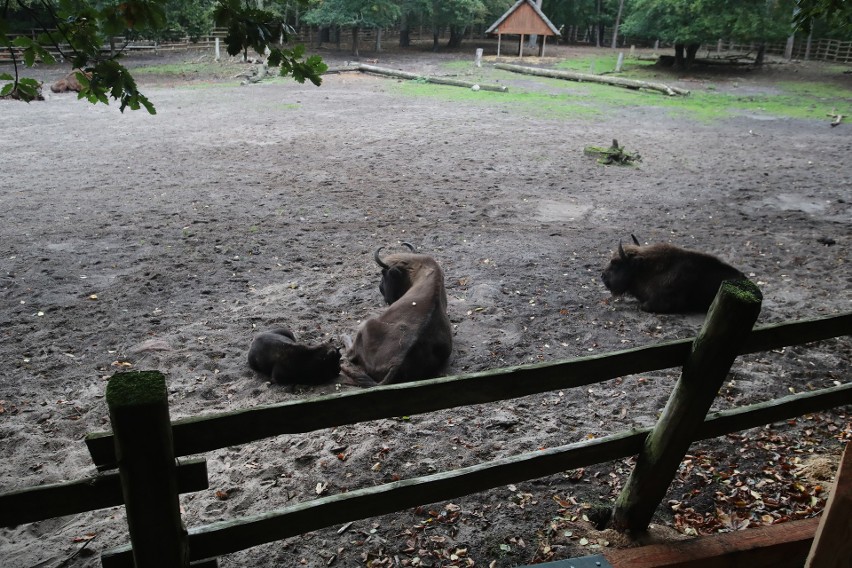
[{"x": 524, "y": 18}]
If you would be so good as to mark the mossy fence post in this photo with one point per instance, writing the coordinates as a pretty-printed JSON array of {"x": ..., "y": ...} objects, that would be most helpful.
[
  {"x": 139, "y": 412},
  {"x": 729, "y": 322}
]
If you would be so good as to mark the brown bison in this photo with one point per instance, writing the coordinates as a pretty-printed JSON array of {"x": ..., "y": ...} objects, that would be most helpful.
[
  {"x": 70, "y": 82},
  {"x": 277, "y": 354},
  {"x": 665, "y": 278},
  {"x": 413, "y": 338}
]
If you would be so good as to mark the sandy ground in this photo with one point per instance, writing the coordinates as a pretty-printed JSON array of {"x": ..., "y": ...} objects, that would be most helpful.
[{"x": 167, "y": 242}]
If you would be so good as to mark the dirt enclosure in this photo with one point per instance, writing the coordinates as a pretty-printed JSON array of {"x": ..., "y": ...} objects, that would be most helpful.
[{"x": 166, "y": 242}]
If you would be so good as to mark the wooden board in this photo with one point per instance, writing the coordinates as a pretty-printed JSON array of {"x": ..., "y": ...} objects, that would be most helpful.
[
  {"x": 774, "y": 546},
  {"x": 832, "y": 547}
]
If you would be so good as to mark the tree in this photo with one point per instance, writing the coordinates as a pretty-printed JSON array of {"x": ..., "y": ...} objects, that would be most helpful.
[
  {"x": 837, "y": 12},
  {"x": 687, "y": 23},
  {"x": 355, "y": 14},
  {"x": 77, "y": 29}
]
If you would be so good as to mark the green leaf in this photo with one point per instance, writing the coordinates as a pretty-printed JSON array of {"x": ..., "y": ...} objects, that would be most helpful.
[
  {"x": 6, "y": 77},
  {"x": 7, "y": 88}
]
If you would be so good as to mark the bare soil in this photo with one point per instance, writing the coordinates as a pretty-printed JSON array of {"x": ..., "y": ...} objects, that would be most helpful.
[{"x": 167, "y": 242}]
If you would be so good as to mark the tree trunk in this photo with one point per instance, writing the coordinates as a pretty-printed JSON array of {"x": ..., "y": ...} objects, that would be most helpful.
[
  {"x": 680, "y": 55},
  {"x": 404, "y": 31},
  {"x": 355, "y": 32},
  {"x": 617, "y": 23},
  {"x": 534, "y": 37},
  {"x": 598, "y": 26},
  {"x": 761, "y": 52},
  {"x": 691, "y": 51},
  {"x": 435, "y": 35},
  {"x": 456, "y": 36},
  {"x": 378, "y": 39}
]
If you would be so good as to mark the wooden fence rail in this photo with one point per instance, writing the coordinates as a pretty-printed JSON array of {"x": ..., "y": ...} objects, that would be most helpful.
[
  {"x": 89, "y": 494},
  {"x": 226, "y": 537},
  {"x": 202, "y": 434},
  {"x": 207, "y": 433}
]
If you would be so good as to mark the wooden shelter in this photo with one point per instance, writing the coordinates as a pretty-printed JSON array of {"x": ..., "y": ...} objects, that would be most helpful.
[{"x": 523, "y": 18}]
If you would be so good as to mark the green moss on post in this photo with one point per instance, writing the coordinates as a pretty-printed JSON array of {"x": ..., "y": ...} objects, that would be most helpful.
[
  {"x": 136, "y": 388},
  {"x": 139, "y": 412}
]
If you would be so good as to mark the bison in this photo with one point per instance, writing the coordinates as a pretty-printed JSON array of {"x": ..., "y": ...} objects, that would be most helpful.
[
  {"x": 413, "y": 338},
  {"x": 70, "y": 82},
  {"x": 665, "y": 278},
  {"x": 277, "y": 354}
]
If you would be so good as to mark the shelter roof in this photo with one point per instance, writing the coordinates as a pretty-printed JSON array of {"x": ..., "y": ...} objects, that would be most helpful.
[{"x": 508, "y": 23}]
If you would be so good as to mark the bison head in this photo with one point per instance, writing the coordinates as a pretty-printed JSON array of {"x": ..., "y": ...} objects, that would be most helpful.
[
  {"x": 396, "y": 280},
  {"x": 619, "y": 274}
]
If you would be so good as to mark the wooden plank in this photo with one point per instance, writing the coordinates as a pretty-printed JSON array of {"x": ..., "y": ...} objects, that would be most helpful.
[
  {"x": 226, "y": 537},
  {"x": 729, "y": 321},
  {"x": 211, "y": 432},
  {"x": 775, "y": 546},
  {"x": 89, "y": 494},
  {"x": 201, "y": 434},
  {"x": 139, "y": 412},
  {"x": 507, "y": 470},
  {"x": 832, "y": 547}
]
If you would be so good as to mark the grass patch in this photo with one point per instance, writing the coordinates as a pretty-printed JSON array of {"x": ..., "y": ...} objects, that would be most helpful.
[
  {"x": 209, "y": 68},
  {"x": 559, "y": 99},
  {"x": 602, "y": 64}
]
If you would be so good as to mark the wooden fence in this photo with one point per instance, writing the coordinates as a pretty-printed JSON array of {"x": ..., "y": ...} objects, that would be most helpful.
[{"x": 149, "y": 461}]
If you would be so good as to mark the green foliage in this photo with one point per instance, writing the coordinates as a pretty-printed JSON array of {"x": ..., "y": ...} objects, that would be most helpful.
[
  {"x": 79, "y": 28},
  {"x": 838, "y": 14},
  {"x": 250, "y": 27},
  {"x": 697, "y": 21}
]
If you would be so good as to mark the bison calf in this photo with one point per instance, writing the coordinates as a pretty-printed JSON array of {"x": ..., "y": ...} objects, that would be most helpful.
[
  {"x": 665, "y": 278},
  {"x": 277, "y": 354},
  {"x": 412, "y": 339}
]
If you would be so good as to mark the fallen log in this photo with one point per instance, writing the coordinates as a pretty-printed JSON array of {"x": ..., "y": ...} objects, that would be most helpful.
[
  {"x": 573, "y": 76},
  {"x": 428, "y": 79}
]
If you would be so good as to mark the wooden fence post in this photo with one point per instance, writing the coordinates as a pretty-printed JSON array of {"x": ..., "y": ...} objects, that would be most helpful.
[
  {"x": 729, "y": 322},
  {"x": 139, "y": 412}
]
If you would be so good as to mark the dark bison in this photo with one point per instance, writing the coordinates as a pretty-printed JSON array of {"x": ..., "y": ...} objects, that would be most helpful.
[
  {"x": 665, "y": 278},
  {"x": 278, "y": 355},
  {"x": 412, "y": 339}
]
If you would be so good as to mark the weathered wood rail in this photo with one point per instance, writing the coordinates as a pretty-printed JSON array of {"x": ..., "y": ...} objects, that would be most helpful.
[{"x": 207, "y": 433}]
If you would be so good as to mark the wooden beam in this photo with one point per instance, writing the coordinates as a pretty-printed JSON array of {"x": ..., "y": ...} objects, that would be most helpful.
[
  {"x": 287, "y": 522},
  {"x": 89, "y": 494},
  {"x": 774, "y": 546},
  {"x": 729, "y": 321},
  {"x": 832, "y": 547},
  {"x": 201, "y": 434},
  {"x": 139, "y": 413}
]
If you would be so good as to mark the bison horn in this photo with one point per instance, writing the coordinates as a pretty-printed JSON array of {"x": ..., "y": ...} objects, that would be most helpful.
[
  {"x": 635, "y": 240},
  {"x": 409, "y": 246},
  {"x": 621, "y": 251},
  {"x": 379, "y": 260}
]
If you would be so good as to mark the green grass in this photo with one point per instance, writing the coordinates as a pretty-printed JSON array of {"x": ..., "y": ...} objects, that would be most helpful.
[
  {"x": 179, "y": 69},
  {"x": 570, "y": 99}
]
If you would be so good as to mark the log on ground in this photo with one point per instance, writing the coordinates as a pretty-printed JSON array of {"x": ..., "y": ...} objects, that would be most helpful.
[
  {"x": 573, "y": 76},
  {"x": 437, "y": 80}
]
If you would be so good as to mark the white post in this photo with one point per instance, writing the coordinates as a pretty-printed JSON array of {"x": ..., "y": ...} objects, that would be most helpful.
[
  {"x": 478, "y": 60},
  {"x": 499, "y": 36},
  {"x": 620, "y": 62},
  {"x": 217, "y": 49},
  {"x": 632, "y": 52}
]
